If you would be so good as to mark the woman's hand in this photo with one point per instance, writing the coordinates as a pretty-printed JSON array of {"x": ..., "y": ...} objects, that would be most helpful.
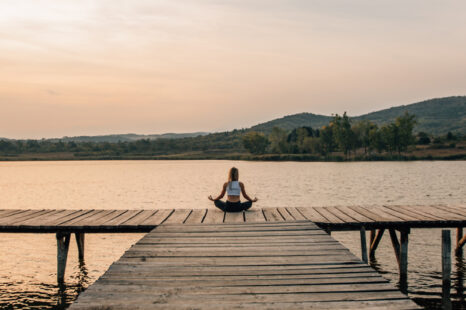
[{"x": 210, "y": 198}]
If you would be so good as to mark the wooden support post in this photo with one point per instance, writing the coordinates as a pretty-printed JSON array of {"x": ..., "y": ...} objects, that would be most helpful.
[
  {"x": 446, "y": 269},
  {"x": 396, "y": 245},
  {"x": 375, "y": 242},
  {"x": 80, "y": 244},
  {"x": 63, "y": 243},
  {"x": 363, "y": 245},
  {"x": 404, "y": 260},
  {"x": 372, "y": 237},
  {"x": 460, "y": 240},
  {"x": 401, "y": 253}
]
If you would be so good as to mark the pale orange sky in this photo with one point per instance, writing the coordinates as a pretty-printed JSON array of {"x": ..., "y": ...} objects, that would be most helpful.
[{"x": 104, "y": 67}]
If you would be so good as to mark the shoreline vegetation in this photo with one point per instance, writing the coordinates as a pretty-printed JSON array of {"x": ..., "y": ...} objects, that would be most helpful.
[{"x": 340, "y": 140}]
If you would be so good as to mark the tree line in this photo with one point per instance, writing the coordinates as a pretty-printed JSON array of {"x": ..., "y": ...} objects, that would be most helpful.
[{"x": 340, "y": 135}]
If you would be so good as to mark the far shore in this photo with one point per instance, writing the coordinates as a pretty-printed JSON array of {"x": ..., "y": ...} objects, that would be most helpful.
[{"x": 416, "y": 155}]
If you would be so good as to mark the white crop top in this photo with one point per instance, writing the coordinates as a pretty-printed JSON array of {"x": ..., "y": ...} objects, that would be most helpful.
[{"x": 233, "y": 188}]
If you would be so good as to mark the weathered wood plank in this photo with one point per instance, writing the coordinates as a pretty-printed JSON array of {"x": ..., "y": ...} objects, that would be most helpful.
[
  {"x": 70, "y": 217},
  {"x": 457, "y": 213},
  {"x": 440, "y": 214},
  {"x": 214, "y": 216},
  {"x": 157, "y": 218},
  {"x": 328, "y": 215},
  {"x": 11, "y": 220},
  {"x": 460, "y": 210},
  {"x": 356, "y": 216},
  {"x": 219, "y": 282},
  {"x": 82, "y": 217},
  {"x": 397, "y": 214},
  {"x": 334, "y": 269},
  {"x": 239, "y": 228},
  {"x": 272, "y": 215},
  {"x": 196, "y": 216},
  {"x": 178, "y": 216},
  {"x": 393, "y": 304},
  {"x": 337, "y": 213},
  {"x": 313, "y": 215},
  {"x": 195, "y": 296},
  {"x": 285, "y": 214},
  {"x": 125, "y": 216},
  {"x": 97, "y": 219},
  {"x": 376, "y": 214},
  {"x": 37, "y": 219},
  {"x": 296, "y": 214},
  {"x": 9, "y": 212},
  {"x": 238, "y": 234},
  {"x": 139, "y": 218},
  {"x": 412, "y": 214},
  {"x": 53, "y": 220},
  {"x": 234, "y": 217},
  {"x": 108, "y": 218},
  {"x": 255, "y": 215}
]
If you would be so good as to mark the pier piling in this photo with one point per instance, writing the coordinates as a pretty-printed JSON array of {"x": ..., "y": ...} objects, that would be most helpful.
[
  {"x": 375, "y": 243},
  {"x": 404, "y": 260},
  {"x": 446, "y": 269},
  {"x": 80, "y": 244},
  {"x": 363, "y": 245},
  {"x": 63, "y": 244}
]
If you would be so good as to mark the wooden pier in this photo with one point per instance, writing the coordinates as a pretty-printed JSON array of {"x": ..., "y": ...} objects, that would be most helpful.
[
  {"x": 279, "y": 238},
  {"x": 272, "y": 265}
]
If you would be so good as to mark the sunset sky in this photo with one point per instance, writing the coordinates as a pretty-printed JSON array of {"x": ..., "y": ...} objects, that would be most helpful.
[{"x": 105, "y": 67}]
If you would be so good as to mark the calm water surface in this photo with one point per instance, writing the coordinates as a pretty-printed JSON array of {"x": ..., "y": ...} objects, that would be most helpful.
[{"x": 28, "y": 261}]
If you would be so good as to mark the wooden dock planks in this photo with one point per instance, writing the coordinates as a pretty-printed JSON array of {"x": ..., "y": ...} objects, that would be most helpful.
[
  {"x": 329, "y": 218},
  {"x": 261, "y": 265}
]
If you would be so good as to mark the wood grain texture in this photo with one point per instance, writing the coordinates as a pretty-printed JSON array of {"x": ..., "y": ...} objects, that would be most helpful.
[
  {"x": 294, "y": 265},
  {"x": 329, "y": 218}
]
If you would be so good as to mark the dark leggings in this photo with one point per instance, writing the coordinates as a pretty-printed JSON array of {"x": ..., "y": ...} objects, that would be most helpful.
[{"x": 233, "y": 206}]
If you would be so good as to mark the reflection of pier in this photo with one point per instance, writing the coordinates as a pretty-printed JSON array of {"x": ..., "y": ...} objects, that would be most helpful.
[{"x": 396, "y": 220}]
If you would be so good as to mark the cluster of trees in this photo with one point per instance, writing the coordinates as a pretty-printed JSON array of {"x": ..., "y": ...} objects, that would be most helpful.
[
  {"x": 341, "y": 134},
  {"x": 424, "y": 138}
]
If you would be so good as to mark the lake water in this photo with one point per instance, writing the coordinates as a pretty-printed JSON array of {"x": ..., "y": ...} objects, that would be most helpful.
[{"x": 28, "y": 261}]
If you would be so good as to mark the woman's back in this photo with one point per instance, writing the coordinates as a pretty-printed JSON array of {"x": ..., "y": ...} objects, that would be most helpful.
[{"x": 233, "y": 188}]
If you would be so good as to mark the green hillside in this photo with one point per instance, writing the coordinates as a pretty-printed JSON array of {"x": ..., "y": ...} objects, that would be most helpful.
[
  {"x": 434, "y": 116},
  {"x": 291, "y": 122}
]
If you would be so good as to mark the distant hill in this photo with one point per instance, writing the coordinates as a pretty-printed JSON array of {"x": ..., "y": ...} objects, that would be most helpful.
[
  {"x": 128, "y": 137},
  {"x": 291, "y": 122},
  {"x": 435, "y": 116}
]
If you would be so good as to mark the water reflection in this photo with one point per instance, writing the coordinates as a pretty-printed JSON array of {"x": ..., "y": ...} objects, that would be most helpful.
[
  {"x": 458, "y": 276},
  {"x": 43, "y": 295}
]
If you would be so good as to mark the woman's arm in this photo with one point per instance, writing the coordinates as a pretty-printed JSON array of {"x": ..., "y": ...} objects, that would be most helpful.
[
  {"x": 224, "y": 189},
  {"x": 244, "y": 193}
]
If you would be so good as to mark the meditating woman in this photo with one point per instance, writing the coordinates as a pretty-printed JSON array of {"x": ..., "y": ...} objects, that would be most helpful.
[{"x": 233, "y": 188}]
